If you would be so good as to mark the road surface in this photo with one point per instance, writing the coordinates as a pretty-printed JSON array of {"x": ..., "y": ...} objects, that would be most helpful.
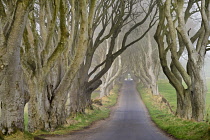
[{"x": 129, "y": 121}]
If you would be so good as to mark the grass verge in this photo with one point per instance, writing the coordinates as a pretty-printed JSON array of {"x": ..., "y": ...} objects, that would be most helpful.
[
  {"x": 180, "y": 129},
  {"x": 81, "y": 121}
]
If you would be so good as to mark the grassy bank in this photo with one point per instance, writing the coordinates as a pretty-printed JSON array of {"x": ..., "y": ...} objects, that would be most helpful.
[
  {"x": 169, "y": 93},
  {"x": 181, "y": 129},
  {"x": 79, "y": 122}
]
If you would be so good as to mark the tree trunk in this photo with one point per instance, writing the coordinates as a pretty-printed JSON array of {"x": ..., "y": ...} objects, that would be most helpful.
[
  {"x": 198, "y": 93},
  {"x": 80, "y": 95},
  {"x": 154, "y": 88},
  {"x": 38, "y": 106},
  {"x": 78, "y": 101},
  {"x": 152, "y": 68},
  {"x": 12, "y": 100},
  {"x": 74, "y": 103},
  {"x": 57, "y": 113},
  {"x": 46, "y": 111},
  {"x": 88, "y": 101},
  {"x": 184, "y": 107},
  {"x": 104, "y": 90},
  {"x": 11, "y": 83},
  {"x": 153, "y": 81},
  {"x": 77, "y": 105}
]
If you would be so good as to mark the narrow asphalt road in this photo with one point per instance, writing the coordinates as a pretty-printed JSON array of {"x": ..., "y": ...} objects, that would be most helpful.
[{"x": 129, "y": 121}]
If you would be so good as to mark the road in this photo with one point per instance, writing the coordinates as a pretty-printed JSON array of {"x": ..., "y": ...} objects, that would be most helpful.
[{"x": 129, "y": 121}]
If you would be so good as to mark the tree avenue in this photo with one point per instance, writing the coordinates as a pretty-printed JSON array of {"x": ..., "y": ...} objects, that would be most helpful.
[
  {"x": 47, "y": 49},
  {"x": 144, "y": 63},
  {"x": 57, "y": 52}
]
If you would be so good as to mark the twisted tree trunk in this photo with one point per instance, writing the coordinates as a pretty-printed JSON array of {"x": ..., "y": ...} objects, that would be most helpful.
[
  {"x": 190, "y": 100},
  {"x": 184, "y": 106}
]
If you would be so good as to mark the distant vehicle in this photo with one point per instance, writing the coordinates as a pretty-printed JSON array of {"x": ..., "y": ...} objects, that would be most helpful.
[{"x": 128, "y": 77}]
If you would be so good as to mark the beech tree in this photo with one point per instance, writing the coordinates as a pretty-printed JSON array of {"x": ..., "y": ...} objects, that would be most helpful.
[
  {"x": 173, "y": 16},
  {"x": 114, "y": 71},
  {"x": 121, "y": 15},
  {"x": 13, "y": 18},
  {"x": 105, "y": 13},
  {"x": 144, "y": 63},
  {"x": 44, "y": 52},
  {"x": 55, "y": 43}
]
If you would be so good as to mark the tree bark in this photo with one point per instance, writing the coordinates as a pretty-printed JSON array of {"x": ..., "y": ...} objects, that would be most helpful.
[
  {"x": 77, "y": 96},
  {"x": 38, "y": 106},
  {"x": 11, "y": 84},
  {"x": 153, "y": 68},
  {"x": 184, "y": 107},
  {"x": 198, "y": 93},
  {"x": 104, "y": 91},
  {"x": 114, "y": 71},
  {"x": 80, "y": 95}
]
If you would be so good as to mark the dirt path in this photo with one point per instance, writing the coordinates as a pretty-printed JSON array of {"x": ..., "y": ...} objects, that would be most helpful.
[{"x": 129, "y": 121}]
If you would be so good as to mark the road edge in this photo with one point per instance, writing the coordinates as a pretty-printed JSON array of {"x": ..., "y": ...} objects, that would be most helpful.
[{"x": 150, "y": 119}]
